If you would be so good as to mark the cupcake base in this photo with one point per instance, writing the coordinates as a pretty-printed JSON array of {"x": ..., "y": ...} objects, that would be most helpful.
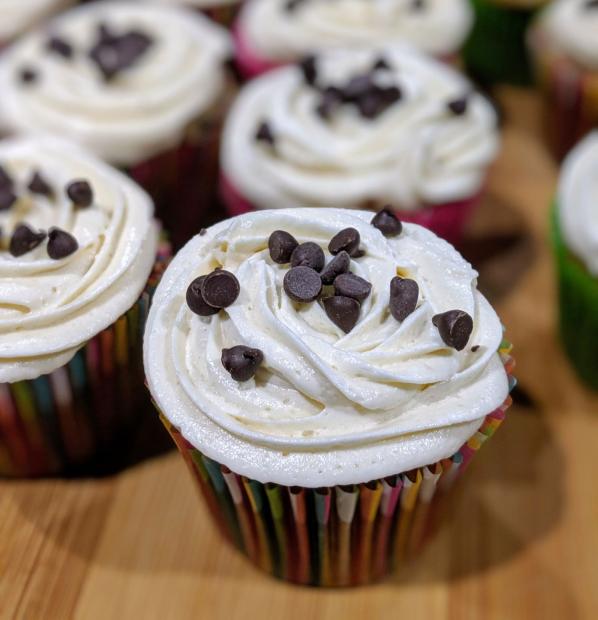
[
  {"x": 334, "y": 536},
  {"x": 61, "y": 421}
]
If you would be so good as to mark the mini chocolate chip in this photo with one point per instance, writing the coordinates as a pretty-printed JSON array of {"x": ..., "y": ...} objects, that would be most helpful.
[
  {"x": 241, "y": 362},
  {"x": 38, "y": 185},
  {"x": 380, "y": 63},
  {"x": 342, "y": 311},
  {"x": 309, "y": 69},
  {"x": 202, "y": 231},
  {"x": 264, "y": 134},
  {"x": 387, "y": 222},
  {"x": 404, "y": 294},
  {"x": 5, "y": 179},
  {"x": 357, "y": 87},
  {"x": 347, "y": 239},
  {"x": 195, "y": 299},
  {"x": 115, "y": 53},
  {"x": 7, "y": 198},
  {"x": 27, "y": 75},
  {"x": 350, "y": 285},
  {"x": 291, "y": 5},
  {"x": 308, "y": 254},
  {"x": 302, "y": 284},
  {"x": 61, "y": 244},
  {"x": 60, "y": 46},
  {"x": 332, "y": 97},
  {"x": 475, "y": 348},
  {"x": 458, "y": 106},
  {"x": 455, "y": 327},
  {"x": 418, "y": 5},
  {"x": 281, "y": 245},
  {"x": 80, "y": 193},
  {"x": 338, "y": 265},
  {"x": 591, "y": 4},
  {"x": 24, "y": 239},
  {"x": 220, "y": 288}
]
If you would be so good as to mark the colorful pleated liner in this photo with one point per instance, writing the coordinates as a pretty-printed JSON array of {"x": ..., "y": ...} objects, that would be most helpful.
[
  {"x": 334, "y": 536},
  {"x": 63, "y": 420}
]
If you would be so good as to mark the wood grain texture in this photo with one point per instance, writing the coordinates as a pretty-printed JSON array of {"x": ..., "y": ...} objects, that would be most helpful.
[{"x": 523, "y": 538}]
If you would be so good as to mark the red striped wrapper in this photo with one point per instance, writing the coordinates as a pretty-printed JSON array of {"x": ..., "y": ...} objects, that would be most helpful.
[
  {"x": 570, "y": 94},
  {"x": 333, "y": 536},
  {"x": 61, "y": 421}
]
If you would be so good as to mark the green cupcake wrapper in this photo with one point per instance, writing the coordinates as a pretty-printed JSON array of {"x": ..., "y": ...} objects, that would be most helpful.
[{"x": 578, "y": 305}]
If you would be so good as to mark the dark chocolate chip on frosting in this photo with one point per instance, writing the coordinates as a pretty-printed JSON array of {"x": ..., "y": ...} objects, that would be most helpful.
[
  {"x": 308, "y": 254},
  {"x": 454, "y": 327},
  {"x": 61, "y": 244},
  {"x": 590, "y": 4},
  {"x": 7, "y": 198},
  {"x": 338, "y": 265},
  {"x": 24, "y": 239},
  {"x": 80, "y": 193},
  {"x": 418, "y": 5},
  {"x": 331, "y": 99},
  {"x": 264, "y": 134},
  {"x": 350, "y": 285},
  {"x": 348, "y": 240},
  {"x": 28, "y": 75},
  {"x": 195, "y": 300},
  {"x": 242, "y": 362},
  {"x": 458, "y": 106},
  {"x": 404, "y": 294},
  {"x": 281, "y": 245},
  {"x": 220, "y": 288},
  {"x": 302, "y": 284},
  {"x": 5, "y": 178},
  {"x": 309, "y": 70},
  {"x": 387, "y": 222},
  {"x": 60, "y": 46},
  {"x": 342, "y": 311},
  {"x": 380, "y": 63},
  {"x": 39, "y": 185}
]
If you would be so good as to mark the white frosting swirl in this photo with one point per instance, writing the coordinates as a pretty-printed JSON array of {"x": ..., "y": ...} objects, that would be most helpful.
[
  {"x": 325, "y": 407},
  {"x": 416, "y": 153},
  {"x": 50, "y": 308},
  {"x": 200, "y": 4},
  {"x": 572, "y": 27},
  {"x": 577, "y": 200},
  {"x": 16, "y": 16},
  {"x": 145, "y": 109},
  {"x": 279, "y": 34}
]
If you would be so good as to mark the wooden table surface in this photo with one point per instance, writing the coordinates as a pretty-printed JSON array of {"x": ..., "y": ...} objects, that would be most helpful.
[{"x": 524, "y": 544}]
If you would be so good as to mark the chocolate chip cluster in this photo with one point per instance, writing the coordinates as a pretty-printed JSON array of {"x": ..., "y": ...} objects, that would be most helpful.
[
  {"x": 310, "y": 278},
  {"x": 24, "y": 239},
  {"x": 111, "y": 52}
]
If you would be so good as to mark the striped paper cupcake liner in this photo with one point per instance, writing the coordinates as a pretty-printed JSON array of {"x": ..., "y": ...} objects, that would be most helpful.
[
  {"x": 61, "y": 421},
  {"x": 333, "y": 536},
  {"x": 570, "y": 95}
]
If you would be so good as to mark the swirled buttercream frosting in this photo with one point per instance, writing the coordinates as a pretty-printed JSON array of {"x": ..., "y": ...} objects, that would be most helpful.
[
  {"x": 283, "y": 30},
  {"x": 279, "y": 387},
  {"x": 17, "y": 16},
  {"x": 349, "y": 128},
  {"x": 124, "y": 79},
  {"x": 78, "y": 244}
]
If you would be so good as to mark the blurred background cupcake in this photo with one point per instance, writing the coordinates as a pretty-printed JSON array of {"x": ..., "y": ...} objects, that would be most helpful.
[
  {"x": 322, "y": 402},
  {"x": 564, "y": 45},
  {"x": 575, "y": 237},
  {"x": 79, "y": 258},
  {"x": 18, "y": 16},
  {"x": 496, "y": 50},
  {"x": 269, "y": 33},
  {"x": 221, "y": 11},
  {"x": 142, "y": 86},
  {"x": 361, "y": 129}
]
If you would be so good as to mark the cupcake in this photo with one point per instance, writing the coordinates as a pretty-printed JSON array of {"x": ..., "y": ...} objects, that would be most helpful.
[
  {"x": 575, "y": 237},
  {"x": 327, "y": 376},
  {"x": 496, "y": 50},
  {"x": 142, "y": 86},
  {"x": 79, "y": 258},
  {"x": 269, "y": 33},
  {"x": 17, "y": 16},
  {"x": 221, "y": 11},
  {"x": 564, "y": 46},
  {"x": 361, "y": 129}
]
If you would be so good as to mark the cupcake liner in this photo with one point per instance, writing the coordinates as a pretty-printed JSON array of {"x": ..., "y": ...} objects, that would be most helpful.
[
  {"x": 496, "y": 49},
  {"x": 578, "y": 300},
  {"x": 570, "y": 95},
  {"x": 63, "y": 420},
  {"x": 334, "y": 536},
  {"x": 448, "y": 220}
]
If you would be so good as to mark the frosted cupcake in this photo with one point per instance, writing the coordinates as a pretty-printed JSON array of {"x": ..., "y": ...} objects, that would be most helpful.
[
  {"x": 269, "y": 33},
  {"x": 327, "y": 375},
  {"x": 496, "y": 50},
  {"x": 17, "y": 16},
  {"x": 79, "y": 258},
  {"x": 361, "y": 129},
  {"x": 575, "y": 236},
  {"x": 221, "y": 11},
  {"x": 564, "y": 45},
  {"x": 141, "y": 86}
]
